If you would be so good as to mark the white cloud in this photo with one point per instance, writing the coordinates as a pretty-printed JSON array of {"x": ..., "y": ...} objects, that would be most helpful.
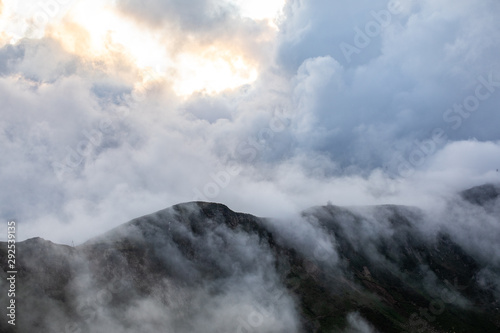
[{"x": 343, "y": 122}]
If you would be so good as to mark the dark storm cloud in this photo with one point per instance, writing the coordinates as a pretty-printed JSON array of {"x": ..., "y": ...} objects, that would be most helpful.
[{"x": 372, "y": 79}]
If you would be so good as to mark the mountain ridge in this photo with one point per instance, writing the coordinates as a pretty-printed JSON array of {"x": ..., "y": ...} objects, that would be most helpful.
[{"x": 332, "y": 269}]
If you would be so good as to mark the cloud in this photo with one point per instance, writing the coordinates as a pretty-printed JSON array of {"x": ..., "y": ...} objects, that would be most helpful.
[
  {"x": 192, "y": 15},
  {"x": 89, "y": 143},
  {"x": 185, "y": 273},
  {"x": 356, "y": 323},
  {"x": 193, "y": 26},
  {"x": 418, "y": 67}
]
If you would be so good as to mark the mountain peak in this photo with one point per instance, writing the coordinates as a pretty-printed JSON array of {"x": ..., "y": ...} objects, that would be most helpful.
[{"x": 480, "y": 195}]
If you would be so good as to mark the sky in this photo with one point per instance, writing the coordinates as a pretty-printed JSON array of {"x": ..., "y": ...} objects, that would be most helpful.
[{"x": 114, "y": 109}]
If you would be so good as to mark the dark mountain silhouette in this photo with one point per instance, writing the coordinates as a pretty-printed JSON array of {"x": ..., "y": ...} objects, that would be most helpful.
[
  {"x": 200, "y": 267},
  {"x": 481, "y": 195}
]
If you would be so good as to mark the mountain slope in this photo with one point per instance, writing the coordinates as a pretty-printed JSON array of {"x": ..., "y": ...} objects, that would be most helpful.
[{"x": 200, "y": 267}]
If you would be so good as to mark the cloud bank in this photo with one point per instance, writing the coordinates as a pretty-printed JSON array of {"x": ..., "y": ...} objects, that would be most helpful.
[{"x": 360, "y": 103}]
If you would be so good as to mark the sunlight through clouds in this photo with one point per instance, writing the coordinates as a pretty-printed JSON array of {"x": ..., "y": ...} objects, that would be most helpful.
[
  {"x": 213, "y": 71},
  {"x": 97, "y": 30},
  {"x": 261, "y": 9},
  {"x": 106, "y": 28}
]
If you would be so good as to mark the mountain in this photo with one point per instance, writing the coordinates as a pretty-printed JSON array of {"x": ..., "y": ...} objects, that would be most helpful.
[
  {"x": 482, "y": 195},
  {"x": 200, "y": 267}
]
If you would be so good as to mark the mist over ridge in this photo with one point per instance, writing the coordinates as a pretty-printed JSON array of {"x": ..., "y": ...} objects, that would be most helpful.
[{"x": 200, "y": 267}]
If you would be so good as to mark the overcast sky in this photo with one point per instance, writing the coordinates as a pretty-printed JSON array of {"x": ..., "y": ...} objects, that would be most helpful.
[{"x": 116, "y": 109}]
